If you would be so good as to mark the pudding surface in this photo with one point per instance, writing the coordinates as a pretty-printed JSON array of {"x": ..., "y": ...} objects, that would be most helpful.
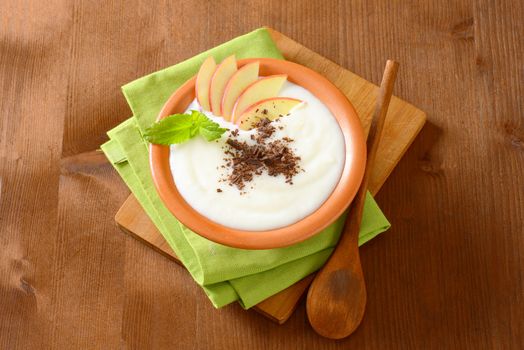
[{"x": 267, "y": 202}]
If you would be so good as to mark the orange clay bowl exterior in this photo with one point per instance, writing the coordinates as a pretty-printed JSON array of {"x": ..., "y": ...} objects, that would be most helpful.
[{"x": 312, "y": 224}]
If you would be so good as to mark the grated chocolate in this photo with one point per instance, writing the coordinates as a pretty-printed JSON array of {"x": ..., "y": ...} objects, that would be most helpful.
[{"x": 275, "y": 157}]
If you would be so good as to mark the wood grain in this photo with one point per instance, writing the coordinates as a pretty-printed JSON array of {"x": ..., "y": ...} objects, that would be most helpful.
[
  {"x": 448, "y": 275},
  {"x": 405, "y": 121}
]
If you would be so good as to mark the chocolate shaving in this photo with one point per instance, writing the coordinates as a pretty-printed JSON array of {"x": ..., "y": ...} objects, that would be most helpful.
[{"x": 272, "y": 156}]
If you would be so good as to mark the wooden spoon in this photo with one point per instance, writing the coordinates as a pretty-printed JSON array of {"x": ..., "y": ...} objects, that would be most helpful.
[{"x": 336, "y": 299}]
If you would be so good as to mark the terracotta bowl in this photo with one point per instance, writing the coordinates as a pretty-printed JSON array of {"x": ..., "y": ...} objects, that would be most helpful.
[{"x": 326, "y": 214}]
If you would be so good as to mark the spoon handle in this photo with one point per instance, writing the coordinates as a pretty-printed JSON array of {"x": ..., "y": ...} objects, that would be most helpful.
[
  {"x": 379, "y": 117},
  {"x": 336, "y": 299}
]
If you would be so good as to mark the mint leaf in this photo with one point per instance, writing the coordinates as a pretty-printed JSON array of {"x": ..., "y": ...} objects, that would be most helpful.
[
  {"x": 207, "y": 128},
  {"x": 175, "y": 128},
  {"x": 178, "y": 128},
  {"x": 211, "y": 134}
]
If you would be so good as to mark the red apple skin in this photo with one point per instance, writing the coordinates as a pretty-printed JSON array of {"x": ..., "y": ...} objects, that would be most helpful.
[
  {"x": 212, "y": 91},
  {"x": 235, "y": 80},
  {"x": 236, "y": 112},
  {"x": 251, "y": 110},
  {"x": 198, "y": 83}
]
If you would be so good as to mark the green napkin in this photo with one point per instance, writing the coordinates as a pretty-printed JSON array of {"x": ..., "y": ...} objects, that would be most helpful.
[{"x": 226, "y": 274}]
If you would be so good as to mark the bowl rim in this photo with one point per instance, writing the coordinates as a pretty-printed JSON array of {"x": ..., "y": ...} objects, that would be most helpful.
[{"x": 327, "y": 213}]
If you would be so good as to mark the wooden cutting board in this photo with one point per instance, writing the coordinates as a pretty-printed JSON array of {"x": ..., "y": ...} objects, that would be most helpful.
[{"x": 404, "y": 121}]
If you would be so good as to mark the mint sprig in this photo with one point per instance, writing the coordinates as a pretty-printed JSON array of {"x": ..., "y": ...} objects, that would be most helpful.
[{"x": 178, "y": 128}]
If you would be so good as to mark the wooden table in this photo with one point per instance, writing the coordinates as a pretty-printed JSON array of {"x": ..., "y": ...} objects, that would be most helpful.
[{"x": 449, "y": 274}]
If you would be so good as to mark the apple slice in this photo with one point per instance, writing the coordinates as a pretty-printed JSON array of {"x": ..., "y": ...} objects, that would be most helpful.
[
  {"x": 261, "y": 89},
  {"x": 270, "y": 108},
  {"x": 223, "y": 73},
  {"x": 203, "y": 80},
  {"x": 236, "y": 85}
]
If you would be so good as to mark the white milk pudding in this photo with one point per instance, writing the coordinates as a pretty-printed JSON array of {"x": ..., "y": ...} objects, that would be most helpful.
[{"x": 266, "y": 202}]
